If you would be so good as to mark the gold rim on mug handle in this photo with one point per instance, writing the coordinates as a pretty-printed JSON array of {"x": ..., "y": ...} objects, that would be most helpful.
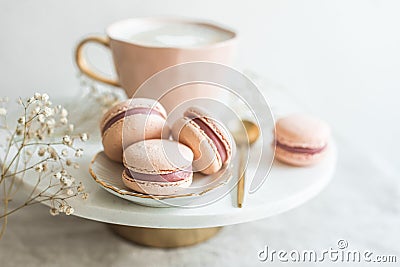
[{"x": 83, "y": 65}]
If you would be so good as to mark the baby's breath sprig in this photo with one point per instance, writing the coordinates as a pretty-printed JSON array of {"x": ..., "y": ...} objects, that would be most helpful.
[
  {"x": 42, "y": 142},
  {"x": 97, "y": 100}
]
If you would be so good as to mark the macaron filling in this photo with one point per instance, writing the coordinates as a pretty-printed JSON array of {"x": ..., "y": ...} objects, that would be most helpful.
[
  {"x": 168, "y": 177},
  {"x": 214, "y": 138},
  {"x": 303, "y": 150},
  {"x": 131, "y": 112}
]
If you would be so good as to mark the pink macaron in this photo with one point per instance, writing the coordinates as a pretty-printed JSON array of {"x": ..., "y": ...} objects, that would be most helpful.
[
  {"x": 301, "y": 140},
  {"x": 209, "y": 140},
  {"x": 131, "y": 121},
  {"x": 157, "y": 167}
]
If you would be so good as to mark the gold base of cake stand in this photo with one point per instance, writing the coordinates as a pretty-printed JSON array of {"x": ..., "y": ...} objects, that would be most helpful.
[{"x": 164, "y": 238}]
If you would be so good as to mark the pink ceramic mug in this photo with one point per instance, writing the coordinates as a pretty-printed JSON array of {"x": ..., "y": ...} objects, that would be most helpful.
[{"x": 136, "y": 61}]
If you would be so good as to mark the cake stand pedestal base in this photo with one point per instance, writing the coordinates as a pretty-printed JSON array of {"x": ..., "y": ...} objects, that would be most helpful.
[{"x": 164, "y": 238}]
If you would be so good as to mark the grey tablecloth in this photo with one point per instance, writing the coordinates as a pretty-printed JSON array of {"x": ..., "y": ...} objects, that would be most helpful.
[{"x": 361, "y": 206}]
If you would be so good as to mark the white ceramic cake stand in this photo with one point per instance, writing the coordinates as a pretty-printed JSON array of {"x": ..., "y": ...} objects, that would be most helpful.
[{"x": 285, "y": 188}]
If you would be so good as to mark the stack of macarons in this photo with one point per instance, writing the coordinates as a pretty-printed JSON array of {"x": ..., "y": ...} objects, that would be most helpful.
[
  {"x": 135, "y": 133},
  {"x": 301, "y": 140}
]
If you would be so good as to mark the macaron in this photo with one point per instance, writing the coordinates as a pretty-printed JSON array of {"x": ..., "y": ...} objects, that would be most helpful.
[
  {"x": 301, "y": 140},
  {"x": 209, "y": 140},
  {"x": 157, "y": 167},
  {"x": 131, "y": 121}
]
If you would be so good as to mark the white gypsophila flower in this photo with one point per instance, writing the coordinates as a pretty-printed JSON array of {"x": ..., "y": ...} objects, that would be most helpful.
[
  {"x": 53, "y": 155},
  {"x": 84, "y": 137},
  {"x": 28, "y": 152},
  {"x": 3, "y": 111},
  {"x": 58, "y": 175},
  {"x": 36, "y": 109},
  {"x": 67, "y": 140},
  {"x": 39, "y": 168},
  {"x": 75, "y": 165},
  {"x": 80, "y": 187},
  {"x": 64, "y": 152},
  {"x": 41, "y": 118},
  {"x": 79, "y": 152},
  {"x": 63, "y": 120},
  {"x": 18, "y": 131},
  {"x": 30, "y": 100},
  {"x": 70, "y": 192},
  {"x": 45, "y": 97},
  {"x": 51, "y": 122},
  {"x": 39, "y": 135},
  {"x": 48, "y": 112},
  {"x": 37, "y": 96},
  {"x": 67, "y": 181},
  {"x": 54, "y": 211},
  {"x": 69, "y": 210},
  {"x": 50, "y": 130},
  {"x": 64, "y": 113},
  {"x": 62, "y": 208},
  {"x": 21, "y": 120},
  {"x": 85, "y": 196},
  {"x": 63, "y": 179},
  {"x": 41, "y": 152}
]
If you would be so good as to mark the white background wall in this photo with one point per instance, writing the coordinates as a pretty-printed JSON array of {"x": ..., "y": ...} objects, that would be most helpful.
[{"x": 341, "y": 59}]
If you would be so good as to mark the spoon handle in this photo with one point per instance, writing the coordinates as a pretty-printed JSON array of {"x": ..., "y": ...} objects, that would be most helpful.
[{"x": 242, "y": 173}]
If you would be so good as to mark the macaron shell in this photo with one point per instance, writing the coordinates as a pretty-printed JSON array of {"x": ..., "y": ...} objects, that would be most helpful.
[
  {"x": 157, "y": 156},
  {"x": 299, "y": 159},
  {"x": 129, "y": 104},
  {"x": 130, "y": 130},
  {"x": 300, "y": 130},
  {"x": 222, "y": 133},
  {"x": 113, "y": 111},
  {"x": 155, "y": 188},
  {"x": 134, "y": 128},
  {"x": 147, "y": 103},
  {"x": 206, "y": 156}
]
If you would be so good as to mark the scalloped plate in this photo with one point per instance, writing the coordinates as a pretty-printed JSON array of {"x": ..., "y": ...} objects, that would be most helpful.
[{"x": 107, "y": 174}]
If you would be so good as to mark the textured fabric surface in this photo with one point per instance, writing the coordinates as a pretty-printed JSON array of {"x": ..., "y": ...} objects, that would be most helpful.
[{"x": 361, "y": 205}]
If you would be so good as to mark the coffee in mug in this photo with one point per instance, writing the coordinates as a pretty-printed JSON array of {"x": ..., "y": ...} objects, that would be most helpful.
[
  {"x": 142, "y": 47},
  {"x": 181, "y": 35}
]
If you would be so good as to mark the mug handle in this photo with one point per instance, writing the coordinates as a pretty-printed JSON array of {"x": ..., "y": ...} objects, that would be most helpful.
[{"x": 83, "y": 65}]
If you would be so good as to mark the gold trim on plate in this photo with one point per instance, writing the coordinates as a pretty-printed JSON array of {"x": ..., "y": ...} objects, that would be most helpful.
[{"x": 140, "y": 195}]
